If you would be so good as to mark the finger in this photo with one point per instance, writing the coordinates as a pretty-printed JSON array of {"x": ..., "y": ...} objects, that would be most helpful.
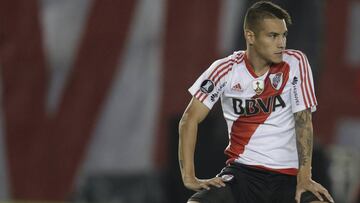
[
  {"x": 317, "y": 194},
  {"x": 197, "y": 186},
  {"x": 215, "y": 183},
  {"x": 220, "y": 182},
  {"x": 196, "y": 189},
  {"x": 205, "y": 186},
  {"x": 327, "y": 195},
  {"x": 298, "y": 195},
  {"x": 193, "y": 186},
  {"x": 325, "y": 192}
]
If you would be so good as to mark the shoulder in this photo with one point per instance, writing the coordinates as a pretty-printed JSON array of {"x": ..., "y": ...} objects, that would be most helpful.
[
  {"x": 235, "y": 57},
  {"x": 223, "y": 68},
  {"x": 238, "y": 56},
  {"x": 228, "y": 62},
  {"x": 297, "y": 60},
  {"x": 293, "y": 55}
]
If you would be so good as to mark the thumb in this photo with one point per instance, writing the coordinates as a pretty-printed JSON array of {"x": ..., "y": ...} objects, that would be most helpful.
[{"x": 298, "y": 195}]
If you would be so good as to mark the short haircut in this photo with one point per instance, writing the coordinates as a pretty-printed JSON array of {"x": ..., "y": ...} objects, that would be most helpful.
[{"x": 262, "y": 10}]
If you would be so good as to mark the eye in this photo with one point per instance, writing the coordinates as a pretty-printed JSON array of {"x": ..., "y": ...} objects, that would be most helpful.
[{"x": 273, "y": 35}]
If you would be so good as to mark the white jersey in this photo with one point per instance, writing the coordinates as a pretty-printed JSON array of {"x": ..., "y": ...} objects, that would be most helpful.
[{"x": 259, "y": 111}]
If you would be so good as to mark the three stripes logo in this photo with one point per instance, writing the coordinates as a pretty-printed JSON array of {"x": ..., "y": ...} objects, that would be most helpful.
[{"x": 237, "y": 87}]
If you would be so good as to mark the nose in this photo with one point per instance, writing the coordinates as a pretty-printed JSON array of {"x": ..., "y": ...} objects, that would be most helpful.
[{"x": 282, "y": 42}]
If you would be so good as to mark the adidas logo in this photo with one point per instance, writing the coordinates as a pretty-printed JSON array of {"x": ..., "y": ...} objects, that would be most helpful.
[{"x": 236, "y": 87}]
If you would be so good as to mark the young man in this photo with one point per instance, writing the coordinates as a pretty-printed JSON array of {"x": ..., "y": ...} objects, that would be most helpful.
[{"x": 267, "y": 97}]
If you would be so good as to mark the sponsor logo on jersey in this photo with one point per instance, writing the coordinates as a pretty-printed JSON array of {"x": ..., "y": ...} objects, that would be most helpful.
[
  {"x": 296, "y": 95},
  {"x": 207, "y": 86},
  {"x": 276, "y": 80},
  {"x": 258, "y": 86},
  {"x": 216, "y": 94},
  {"x": 237, "y": 87},
  {"x": 294, "y": 81},
  {"x": 250, "y": 107}
]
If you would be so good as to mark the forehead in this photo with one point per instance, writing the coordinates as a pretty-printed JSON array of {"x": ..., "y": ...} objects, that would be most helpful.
[{"x": 272, "y": 25}]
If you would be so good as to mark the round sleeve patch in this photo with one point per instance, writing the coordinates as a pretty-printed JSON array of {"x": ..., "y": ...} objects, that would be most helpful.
[{"x": 207, "y": 86}]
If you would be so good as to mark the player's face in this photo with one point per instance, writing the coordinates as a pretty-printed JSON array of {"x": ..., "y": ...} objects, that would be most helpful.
[{"x": 270, "y": 40}]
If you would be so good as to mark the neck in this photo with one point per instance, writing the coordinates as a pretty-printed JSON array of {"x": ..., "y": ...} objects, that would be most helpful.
[{"x": 259, "y": 65}]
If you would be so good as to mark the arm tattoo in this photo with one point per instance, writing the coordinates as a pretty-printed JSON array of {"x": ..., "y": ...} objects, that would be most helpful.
[{"x": 304, "y": 136}]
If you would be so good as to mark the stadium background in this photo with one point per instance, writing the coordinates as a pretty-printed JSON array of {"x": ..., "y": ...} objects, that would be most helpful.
[{"x": 92, "y": 90}]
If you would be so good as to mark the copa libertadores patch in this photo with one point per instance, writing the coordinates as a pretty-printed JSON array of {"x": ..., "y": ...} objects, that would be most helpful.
[{"x": 207, "y": 86}]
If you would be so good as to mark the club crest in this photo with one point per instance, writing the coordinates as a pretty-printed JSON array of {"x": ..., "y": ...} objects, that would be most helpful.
[
  {"x": 276, "y": 80},
  {"x": 258, "y": 86}
]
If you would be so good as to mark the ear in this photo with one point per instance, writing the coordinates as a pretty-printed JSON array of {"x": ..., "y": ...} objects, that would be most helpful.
[{"x": 249, "y": 36}]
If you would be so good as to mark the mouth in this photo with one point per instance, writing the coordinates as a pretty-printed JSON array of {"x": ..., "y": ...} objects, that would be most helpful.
[{"x": 279, "y": 53}]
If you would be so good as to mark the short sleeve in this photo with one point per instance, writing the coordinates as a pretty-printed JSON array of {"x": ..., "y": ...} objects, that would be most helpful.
[
  {"x": 209, "y": 87},
  {"x": 302, "y": 91}
]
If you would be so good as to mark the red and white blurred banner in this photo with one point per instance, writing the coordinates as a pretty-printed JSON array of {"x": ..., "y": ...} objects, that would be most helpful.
[
  {"x": 89, "y": 86},
  {"x": 338, "y": 115}
]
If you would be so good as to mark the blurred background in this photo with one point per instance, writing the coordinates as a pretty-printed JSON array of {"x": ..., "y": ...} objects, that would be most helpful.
[{"x": 92, "y": 92}]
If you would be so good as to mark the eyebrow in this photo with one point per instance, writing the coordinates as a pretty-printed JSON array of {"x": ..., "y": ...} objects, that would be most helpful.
[{"x": 276, "y": 33}]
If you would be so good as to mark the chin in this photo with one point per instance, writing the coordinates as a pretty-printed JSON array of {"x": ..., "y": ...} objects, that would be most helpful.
[{"x": 277, "y": 60}]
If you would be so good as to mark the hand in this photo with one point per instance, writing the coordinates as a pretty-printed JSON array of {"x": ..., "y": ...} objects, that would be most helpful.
[
  {"x": 312, "y": 186},
  {"x": 195, "y": 184}
]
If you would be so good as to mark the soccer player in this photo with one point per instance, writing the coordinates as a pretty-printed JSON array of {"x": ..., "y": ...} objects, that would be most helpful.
[{"x": 267, "y": 97}]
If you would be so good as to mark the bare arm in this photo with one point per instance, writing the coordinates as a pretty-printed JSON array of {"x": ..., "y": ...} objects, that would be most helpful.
[
  {"x": 188, "y": 126},
  {"x": 304, "y": 142},
  {"x": 193, "y": 115}
]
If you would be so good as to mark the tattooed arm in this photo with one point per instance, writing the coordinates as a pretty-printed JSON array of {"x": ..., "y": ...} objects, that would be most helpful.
[
  {"x": 193, "y": 115},
  {"x": 304, "y": 142}
]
